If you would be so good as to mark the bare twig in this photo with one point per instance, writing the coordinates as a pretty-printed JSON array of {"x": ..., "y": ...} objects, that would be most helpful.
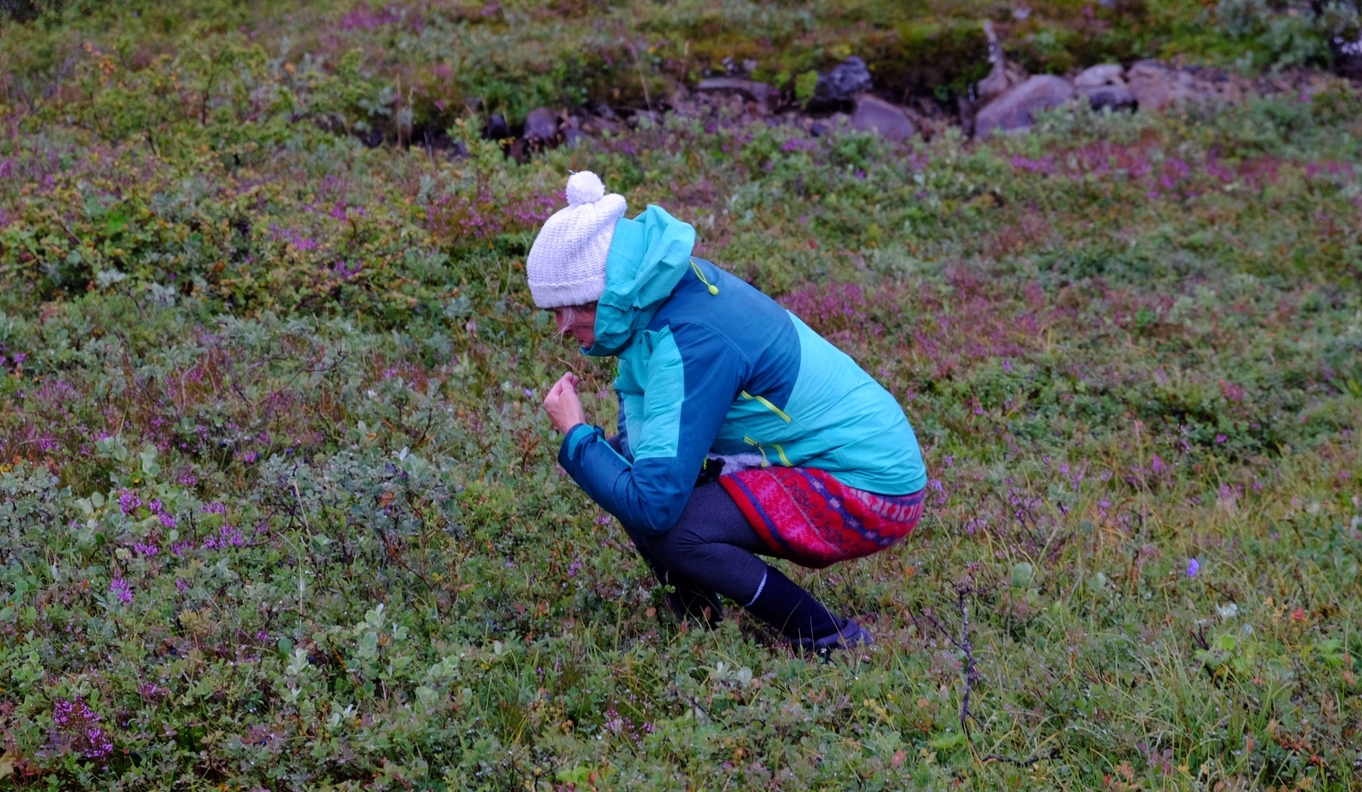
[
  {"x": 28, "y": 100},
  {"x": 638, "y": 65},
  {"x": 963, "y": 590},
  {"x": 61, "y": 73}
]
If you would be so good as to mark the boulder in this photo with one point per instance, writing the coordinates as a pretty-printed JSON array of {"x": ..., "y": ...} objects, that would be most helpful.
[
  {"x": 751, "y": 90},
  {"x": 541, "y": 125},
  {"x": 829, "y": 125},
  {"x": 1104, "y": 74},
  {"x": 876, "y": 115},
  {"x": 1115, "y": 97},
  {"x": 847, "y": 80},
  {"x": 1155, "y": 86},
  {"x": 573, "y": 137},
  {"x": 496, "y": 128},
  {"x": 1003, "y": 74},
  {"x": 1017, "y": 108}
]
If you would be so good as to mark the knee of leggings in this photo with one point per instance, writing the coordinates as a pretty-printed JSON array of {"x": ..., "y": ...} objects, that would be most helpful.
[{"x": 677, "y": 549}]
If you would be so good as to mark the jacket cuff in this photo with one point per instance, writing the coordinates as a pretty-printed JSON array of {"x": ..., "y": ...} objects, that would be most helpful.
[{"x": 574, "y": 438}]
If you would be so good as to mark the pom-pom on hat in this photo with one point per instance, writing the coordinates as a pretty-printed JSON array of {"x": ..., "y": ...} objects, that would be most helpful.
[{"x": 566, "y": 265}]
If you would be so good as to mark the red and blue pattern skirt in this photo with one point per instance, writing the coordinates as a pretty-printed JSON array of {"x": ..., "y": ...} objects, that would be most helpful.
[{"x": 809, "y": 517}]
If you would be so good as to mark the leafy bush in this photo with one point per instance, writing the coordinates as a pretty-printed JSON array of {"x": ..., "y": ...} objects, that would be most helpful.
[{"x": 1295, "y": 37}]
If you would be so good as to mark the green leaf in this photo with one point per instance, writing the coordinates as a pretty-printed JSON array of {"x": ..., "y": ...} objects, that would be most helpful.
[
  {"x": 949, "y": 741},
  {"x": 576, "y": 775},
  {"x": 7, "y": 763},
  {"x": 115, "y": 222},
  {"x": 805, "y": 84}
]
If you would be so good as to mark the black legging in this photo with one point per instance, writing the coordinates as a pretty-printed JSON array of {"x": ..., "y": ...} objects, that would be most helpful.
[{"x": 712, "y": 549}]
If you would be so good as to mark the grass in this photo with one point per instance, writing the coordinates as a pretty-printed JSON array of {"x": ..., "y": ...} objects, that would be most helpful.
[{"x": 280, "y": 508}]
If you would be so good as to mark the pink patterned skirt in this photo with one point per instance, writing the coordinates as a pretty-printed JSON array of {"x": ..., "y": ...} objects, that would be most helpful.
[{"x": 809, "y": 517}]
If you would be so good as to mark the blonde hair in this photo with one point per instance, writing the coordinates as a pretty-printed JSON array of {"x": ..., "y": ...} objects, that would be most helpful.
[{"x": 565, "y": 315}]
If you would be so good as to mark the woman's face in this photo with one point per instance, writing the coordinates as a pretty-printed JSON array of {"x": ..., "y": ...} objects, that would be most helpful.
[{"x": 578, "y": 322}]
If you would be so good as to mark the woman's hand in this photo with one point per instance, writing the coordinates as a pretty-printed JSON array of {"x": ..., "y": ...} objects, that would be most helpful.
[{"x": 562, "y": 404}]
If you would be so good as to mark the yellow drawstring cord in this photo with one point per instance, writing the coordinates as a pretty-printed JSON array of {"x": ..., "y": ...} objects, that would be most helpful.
[{"x": 712, "y": 288}]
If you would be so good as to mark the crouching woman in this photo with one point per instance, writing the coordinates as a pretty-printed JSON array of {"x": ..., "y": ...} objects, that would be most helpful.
[{"x": 742, "y": 432}]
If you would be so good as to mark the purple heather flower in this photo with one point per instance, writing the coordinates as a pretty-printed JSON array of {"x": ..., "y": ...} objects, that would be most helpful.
[
  {"x": 19, "y": 358},
  {"x": 77, "y": 723},
  {"x": 119, "y": 588},
  {"x": 147, "y": 550},
  {"x": 128, "y": 501},
  {"x": 1193, "y": 567},
  {"x": 227, "y": 536},
  {"x": 167, "y": 519}
]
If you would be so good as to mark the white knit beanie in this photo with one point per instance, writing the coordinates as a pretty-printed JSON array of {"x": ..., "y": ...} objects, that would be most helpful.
[{"x": 567, "y": 262}]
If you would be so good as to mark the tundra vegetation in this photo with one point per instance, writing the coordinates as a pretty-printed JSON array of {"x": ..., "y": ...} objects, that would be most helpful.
[{"x": 280, "y": 511}]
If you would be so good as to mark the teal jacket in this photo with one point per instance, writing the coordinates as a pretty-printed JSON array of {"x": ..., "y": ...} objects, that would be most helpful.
[{"x": 710, "y": 365}]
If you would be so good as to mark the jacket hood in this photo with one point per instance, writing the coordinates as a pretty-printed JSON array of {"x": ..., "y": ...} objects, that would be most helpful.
[{"x": 648, "y": 256}]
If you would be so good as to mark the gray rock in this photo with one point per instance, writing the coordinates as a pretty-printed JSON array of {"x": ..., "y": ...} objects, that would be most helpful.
[
  {"x": 876, "y": 115},
  {"x": 1155, "y": 86},
  {"x": 1105, "y": 74},
  {"x": 573, "y": 137},
  {"x": 831, "y": 125},
  {"x": 1017, "y": 108},
  {"x": 496, "y": 128},
  {"x": 844, "y": 83},
  {"x": 541, "y": 125},
  {"x": 1110, "y": 96},
  {"x": 1002, "y": 75},
  {"x": 750, "y": 90}
]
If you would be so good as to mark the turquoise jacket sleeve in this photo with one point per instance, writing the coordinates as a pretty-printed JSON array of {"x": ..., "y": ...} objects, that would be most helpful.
[{"x": 693, "y": 377}]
